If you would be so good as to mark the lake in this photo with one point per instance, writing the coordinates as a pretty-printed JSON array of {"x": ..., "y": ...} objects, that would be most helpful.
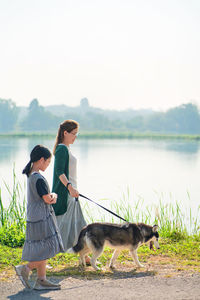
[{"x": 114, "y": 169}]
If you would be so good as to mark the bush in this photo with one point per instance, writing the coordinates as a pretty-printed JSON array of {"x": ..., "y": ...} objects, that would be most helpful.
[{"x": 12, "y": 235}]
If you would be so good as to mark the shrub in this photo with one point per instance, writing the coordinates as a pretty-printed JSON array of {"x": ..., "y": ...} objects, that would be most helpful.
[{"x": 12, "y": 236}]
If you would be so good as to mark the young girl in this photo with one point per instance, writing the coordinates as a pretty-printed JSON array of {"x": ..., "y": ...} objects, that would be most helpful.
[{"x": 43, "y": 239}]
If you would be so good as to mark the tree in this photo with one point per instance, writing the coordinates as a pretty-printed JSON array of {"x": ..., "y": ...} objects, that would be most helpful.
[
  {"x": 184, "y": 119},
  {"x": 38, "y": 119},
  {"x": 84, "y": 104},
  {"x": 8, "y": 115},
  {"x": 136, "y": 123}
]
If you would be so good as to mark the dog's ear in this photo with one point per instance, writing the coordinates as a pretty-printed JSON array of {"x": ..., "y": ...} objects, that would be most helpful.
[{"x": 155, "y": 228}]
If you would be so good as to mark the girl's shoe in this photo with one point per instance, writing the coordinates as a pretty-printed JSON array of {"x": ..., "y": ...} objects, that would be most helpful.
[
  {"x": 44, "y": 284},
  {"x": 23, "y": 275}
]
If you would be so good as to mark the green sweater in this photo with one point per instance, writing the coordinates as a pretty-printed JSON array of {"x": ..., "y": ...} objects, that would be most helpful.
[{"x": 61, "y": 166}]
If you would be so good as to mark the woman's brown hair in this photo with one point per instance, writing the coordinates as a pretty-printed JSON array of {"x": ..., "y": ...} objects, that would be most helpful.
[{"x": 67, "y": 125}]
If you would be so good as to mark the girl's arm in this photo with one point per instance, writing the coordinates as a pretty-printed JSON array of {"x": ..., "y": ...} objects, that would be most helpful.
[
  {"x": 43, "y": 191},
  {"x": 73, "y": 192}
]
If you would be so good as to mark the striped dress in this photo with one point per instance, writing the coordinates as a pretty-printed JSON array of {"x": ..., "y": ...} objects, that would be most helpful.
[{"x": 43, "y": 238}]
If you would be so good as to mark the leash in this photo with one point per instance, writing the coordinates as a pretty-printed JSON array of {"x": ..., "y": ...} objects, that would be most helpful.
[{"x": 103, "y": 207}]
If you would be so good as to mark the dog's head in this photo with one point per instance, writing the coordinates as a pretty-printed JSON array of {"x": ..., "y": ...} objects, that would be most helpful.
[
  {"x": 150, "y": 234},
  {"x": 155, "y": 236}
]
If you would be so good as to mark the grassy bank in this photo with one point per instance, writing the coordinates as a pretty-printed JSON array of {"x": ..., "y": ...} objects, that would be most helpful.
[
  {"x": 179, "y": 256},
  {"x": 180, "y": 242},
  {"x": 173, "y": 222},
  {"x": 108, "y": 135}
]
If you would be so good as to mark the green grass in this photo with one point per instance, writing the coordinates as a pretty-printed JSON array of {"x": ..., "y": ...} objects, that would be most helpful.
[
  {"x": 173, "y": 222},
  {"x": 109, "y": 135},
  {"x": 184, "y": 254},
  {"x": 179, "y": 232},
  {"x": 13, "y": 218}
]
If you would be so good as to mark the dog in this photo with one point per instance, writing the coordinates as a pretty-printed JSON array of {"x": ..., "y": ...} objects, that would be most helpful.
[{"x": 95, "y": 236}]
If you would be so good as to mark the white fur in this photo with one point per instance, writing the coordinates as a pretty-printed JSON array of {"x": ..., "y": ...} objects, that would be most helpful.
[{"x": 70, "y": 250}]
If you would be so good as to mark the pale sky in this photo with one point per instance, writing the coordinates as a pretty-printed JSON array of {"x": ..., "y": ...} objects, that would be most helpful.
[{"x": 118, "y": 53}]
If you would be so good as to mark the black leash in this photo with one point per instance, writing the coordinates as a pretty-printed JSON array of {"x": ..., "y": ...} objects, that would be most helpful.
[{"x": 103, "y": 207}]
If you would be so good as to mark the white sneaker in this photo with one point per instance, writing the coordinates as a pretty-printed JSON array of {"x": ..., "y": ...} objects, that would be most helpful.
[
  {"x": 44, "y": 284},
  {"x": 23, "y": 275}
]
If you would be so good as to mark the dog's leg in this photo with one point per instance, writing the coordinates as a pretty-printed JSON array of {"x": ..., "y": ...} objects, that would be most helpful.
[
  {"x": 82, "y": 259},
  {"x": 133, "y": 253},
  {"x": 96, "y": 253},
  {"x": 83, "y": 253},
  {"x": 114, "y": 256}
]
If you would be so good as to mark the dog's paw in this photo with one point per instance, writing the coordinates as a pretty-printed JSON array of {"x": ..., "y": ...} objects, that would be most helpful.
[
  {"x": 140, "y": 266},
  {"x": 111, "y": 266},
  {"x": 82, "y": 264},
  {"x": 96, "y": 268}
]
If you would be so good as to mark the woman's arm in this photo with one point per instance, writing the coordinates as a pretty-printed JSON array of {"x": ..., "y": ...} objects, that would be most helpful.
[{"x": 73, "y": 192}]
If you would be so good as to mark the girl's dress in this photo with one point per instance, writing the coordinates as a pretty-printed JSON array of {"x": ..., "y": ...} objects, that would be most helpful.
[
  {"x": 72, "y": 221},
  {"x": 43, "y": 239}
]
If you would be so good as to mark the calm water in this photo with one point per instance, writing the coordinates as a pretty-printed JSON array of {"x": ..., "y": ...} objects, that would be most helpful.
[{"x": 107, "y": 169}]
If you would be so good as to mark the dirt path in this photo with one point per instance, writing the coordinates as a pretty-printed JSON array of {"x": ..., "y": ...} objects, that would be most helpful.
[
  {"x": 153, "y": 282},
  {"x": 140, "y": 286}
]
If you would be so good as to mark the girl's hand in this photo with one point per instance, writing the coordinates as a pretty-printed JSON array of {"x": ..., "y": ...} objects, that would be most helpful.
[
  {"x": 50, "y": 198},
  {"x": 73, "y": 192},
  {"x": 54, "y": 197}
]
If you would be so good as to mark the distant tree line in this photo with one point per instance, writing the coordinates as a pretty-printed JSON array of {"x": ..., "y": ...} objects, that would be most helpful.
[{"x": 184, "y": 119}]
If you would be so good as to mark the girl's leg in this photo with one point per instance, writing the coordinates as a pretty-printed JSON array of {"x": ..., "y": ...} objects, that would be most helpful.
[
  {"x": 41, "y": 283},
  {"x": 40, "y": 266}
]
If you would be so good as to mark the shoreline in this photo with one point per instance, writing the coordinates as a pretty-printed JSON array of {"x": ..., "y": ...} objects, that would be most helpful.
[{"x": 107, "y": 135}]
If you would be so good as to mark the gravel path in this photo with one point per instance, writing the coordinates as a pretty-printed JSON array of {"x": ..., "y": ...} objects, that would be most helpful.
[{"x": 122, "y": 285}]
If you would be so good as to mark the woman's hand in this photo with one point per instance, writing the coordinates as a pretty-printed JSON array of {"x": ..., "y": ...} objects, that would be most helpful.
[{"x": 73, "y": 192}]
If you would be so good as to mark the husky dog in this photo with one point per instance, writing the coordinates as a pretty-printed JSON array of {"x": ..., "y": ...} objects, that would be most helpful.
[{"x": 94, "y": 237}]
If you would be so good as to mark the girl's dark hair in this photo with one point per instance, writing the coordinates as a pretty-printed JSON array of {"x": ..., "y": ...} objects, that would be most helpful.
[
  {"x": 67, "y": 125},
  {"x": 38, "y": 152}
]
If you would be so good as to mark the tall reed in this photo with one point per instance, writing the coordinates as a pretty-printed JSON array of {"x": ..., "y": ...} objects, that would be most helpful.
[
  {"x": 16, "y": 210},
  {"x": 173, "y": 221}
]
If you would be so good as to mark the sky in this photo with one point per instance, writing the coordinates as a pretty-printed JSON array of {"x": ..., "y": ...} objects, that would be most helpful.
[{"x": 119, "y": 54}]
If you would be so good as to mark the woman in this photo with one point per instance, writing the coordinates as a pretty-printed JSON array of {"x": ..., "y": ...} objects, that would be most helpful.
[{"x": 67, "y": 209}]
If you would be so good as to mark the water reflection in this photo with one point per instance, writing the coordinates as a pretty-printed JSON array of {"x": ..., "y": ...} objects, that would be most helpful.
[
  {"x": 185, "y": 147},
  {"x": 9, "y": 147},
  {"x": 180, "y": 146}
]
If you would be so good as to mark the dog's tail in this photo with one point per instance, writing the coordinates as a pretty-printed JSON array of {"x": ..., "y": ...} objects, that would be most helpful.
[{"x": 81, "y": 241}]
